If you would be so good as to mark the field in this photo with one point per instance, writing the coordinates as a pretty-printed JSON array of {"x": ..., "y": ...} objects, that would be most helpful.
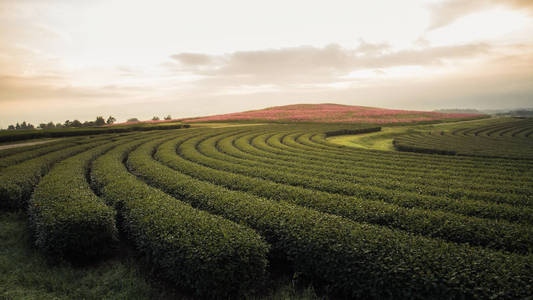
[
  {"x": 333, "y": 113},
  {"x": 272, "y": 211}
]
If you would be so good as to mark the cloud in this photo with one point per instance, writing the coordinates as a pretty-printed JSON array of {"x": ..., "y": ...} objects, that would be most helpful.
[
  {"x": 308, "y": 64},
  {"x": 192, "y": 59},
  {"x": 446, "y": 12},
  {"x": 17, "y": 88}
]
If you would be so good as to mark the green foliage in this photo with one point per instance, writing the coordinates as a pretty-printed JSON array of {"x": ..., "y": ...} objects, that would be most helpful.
[
  {"x": 17, "y": 182},
  {"x": 351, "y": 259},
  {"x": 110, "y": 120},
  {"x": 352, "y": 131},
  {"x": 8, "y": 136},
  {"x": 68, "y": 219},
  {"x": 201, "y": 151},
  {"x": 208, "y": 255},
  {"x": 208, "y": 208},
  {"x": 100, "y": 121},
  {"x": 27, "y": 274},
  {"x": 511, "y": 139},
  {"x": 19, "y": 156}
]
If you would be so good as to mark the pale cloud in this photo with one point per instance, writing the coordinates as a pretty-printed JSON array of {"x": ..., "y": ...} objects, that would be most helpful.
[
  {"x": 192, "y": 58},
  {"x": 311, "y": 64},
  {"x": 445, "y": 12}
]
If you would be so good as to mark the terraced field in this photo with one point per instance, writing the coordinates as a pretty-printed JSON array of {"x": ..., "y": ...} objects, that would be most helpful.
[
  {"x": 217, "y": 211},
  {"x": 510, "y": 139}
]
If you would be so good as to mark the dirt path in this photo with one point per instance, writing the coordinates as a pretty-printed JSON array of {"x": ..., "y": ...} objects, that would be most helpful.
[{"x": 25, "y": 144}]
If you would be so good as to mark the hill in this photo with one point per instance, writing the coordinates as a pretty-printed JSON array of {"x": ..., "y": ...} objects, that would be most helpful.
[{"x": 333, "y": 113}]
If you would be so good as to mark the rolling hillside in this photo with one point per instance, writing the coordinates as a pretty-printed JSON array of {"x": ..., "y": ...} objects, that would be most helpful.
[{"x": 333, "y": 113}]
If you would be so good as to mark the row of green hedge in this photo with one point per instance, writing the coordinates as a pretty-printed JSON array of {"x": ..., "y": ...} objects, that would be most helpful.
[
  {"x": 352, "y": 131},
  {"x": 406, "y": 199},
  {"x": 388, "y": 162},
  {"x": 21, "y": 149},
  {"x": 252, "y": 146},
  {"x": 352, "y": 259},
  {"x": 517, "y": 171},
  {"x": 25, "y": 155},
  {"x": 197, "y": 251},
  {"x": 514, "y": 177},
  {"x": 401, "y": 147},
  {"x": 496, "y": 234},
  {"x": 240, "y": 149},
  {"x": 17, "y": 182},
  {"x": 466, "y": 166},
  {"x": 67, "y": 218},
  {"x": 9, "y": 136}
]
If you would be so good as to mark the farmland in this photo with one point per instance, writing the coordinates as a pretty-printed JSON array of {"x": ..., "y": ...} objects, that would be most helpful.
[
  {"x": 333, "y": 113},
  {"x": 226, "y": 211}
]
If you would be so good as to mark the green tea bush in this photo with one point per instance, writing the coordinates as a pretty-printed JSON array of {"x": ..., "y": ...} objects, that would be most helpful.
[
  {"x": 351, "y": 259},
  {"x": 67, "y": 218},
  {"x": 209, "y": 255}
]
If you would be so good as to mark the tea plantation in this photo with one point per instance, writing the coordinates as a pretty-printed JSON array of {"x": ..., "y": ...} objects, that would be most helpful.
[{"x": 220, "y": 212}]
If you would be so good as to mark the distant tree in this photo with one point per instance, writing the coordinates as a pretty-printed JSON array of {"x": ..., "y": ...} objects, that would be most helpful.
[
  {"x": 155, "y": 118},
  {"x": 88, "y": 124},
  {"x": 133, "y": 120},
  {"x": 50, "y": 125},
  {"x": 99, "y": 121},
  {"x": 24, "y": 125},
  {"x": 76, "y": 123},
  {"x": 168, "y": 117},
  {"x": 59, "y": 125},
  {"x": 67, "y": 123},
  {"x": 111, "y": 120},
  {"x": 10, "y": 127},
  {"x": 42, "y": 126}
]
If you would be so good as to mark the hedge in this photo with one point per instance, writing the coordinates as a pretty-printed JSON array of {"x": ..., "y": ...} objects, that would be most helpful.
[
  {"x": 67, "y": 218},
  {"x": 209, "y": 255},
  {"x": 9, "y": 136},
  {"x": 17, "y": 182},
  {"x": 457, "y": 228},
  {"x": 243, "y": 147},
  {"x": 352, "y": 131},
  {"x": 351, "y": 259}
]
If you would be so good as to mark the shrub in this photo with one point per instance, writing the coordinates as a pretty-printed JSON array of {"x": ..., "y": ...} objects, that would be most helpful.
[{"x": 207, "y": 254}]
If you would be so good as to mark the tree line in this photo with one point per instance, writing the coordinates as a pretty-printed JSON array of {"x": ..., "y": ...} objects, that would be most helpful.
[{"x": 99, "y": 121}]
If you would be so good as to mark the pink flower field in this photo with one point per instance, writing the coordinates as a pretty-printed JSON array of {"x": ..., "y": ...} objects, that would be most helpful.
[{"x": 333, "y": 113}]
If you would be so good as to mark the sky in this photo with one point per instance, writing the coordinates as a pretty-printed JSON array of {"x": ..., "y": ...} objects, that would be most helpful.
[{"x": 69, "y": 59}]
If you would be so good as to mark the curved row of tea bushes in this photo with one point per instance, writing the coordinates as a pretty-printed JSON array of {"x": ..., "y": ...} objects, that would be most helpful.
[
  {"x": 374, "y": 177},
  {"x": 405, "y": 199},
  {"x": 502, "y": 171},
  {"x": 67, "y": 218},
  {"x": 502, "y": 147},
  {"x": 21, "y": 149},
  {"x": 388, "y": 161},
  {"x": 254, "y": 147},
  {"x": 206, "y": 254},
  {"x": 456, "y": 228},
  {"x": 23, "y": 156},
  {"x": 482, "y": 141},
  {"x": 17, "y": 135},
  {"x": 466, "y": 166},
  {"x": 454, "y": 185},
  {"x": 17, "y": 182},
  {"x": 505, "y": 127},
  {"x": 352, "y": 131},
  {"x": 316, "y": 142},
  {"x": 352, "y": 259}
]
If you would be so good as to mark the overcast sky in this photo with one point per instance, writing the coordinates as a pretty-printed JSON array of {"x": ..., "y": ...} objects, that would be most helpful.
[{"x": 69, "y": 59}]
